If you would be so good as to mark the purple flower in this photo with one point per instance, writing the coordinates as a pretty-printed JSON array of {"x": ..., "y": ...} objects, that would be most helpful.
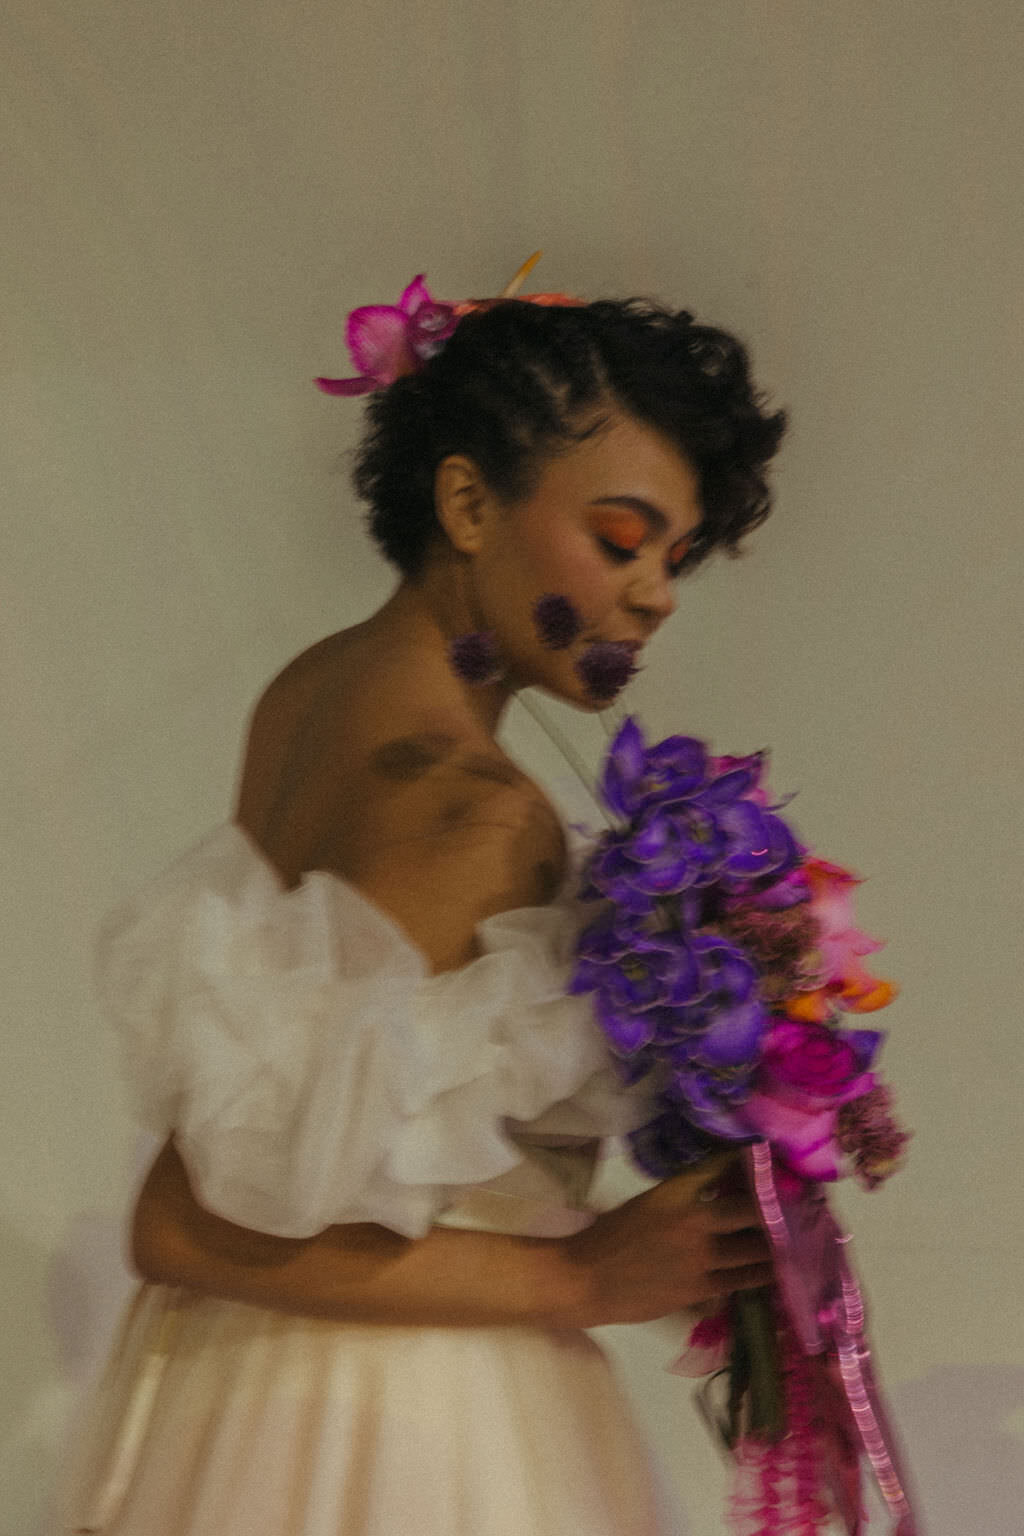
[
  {"x": 760, "y": 845},
  {"x": 657, "y": 858},
  {"x": 710, "y": 1098},
  {"x": 729, "y": 1019},
  {"x": 713, "y": 808},
  {"x": 474, "y": 657},
  {"x": 557, "y": 621},
  {"x": 668, "y": 1143},
  {"x": 635, "y": 776},
  {"x": 660, "y": 854},
  {"x": 639, "y": 988},
  {"x": 389, "y": 340},
  {"x": 605, "y": 668}
]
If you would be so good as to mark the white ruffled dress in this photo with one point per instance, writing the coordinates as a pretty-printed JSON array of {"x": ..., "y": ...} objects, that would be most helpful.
[{"x": 314, "y": 1072}]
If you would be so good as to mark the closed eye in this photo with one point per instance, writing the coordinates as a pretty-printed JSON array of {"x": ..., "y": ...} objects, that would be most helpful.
[
  {"x": 620, "y": 556},
  {"x": 616, "y": 551}
]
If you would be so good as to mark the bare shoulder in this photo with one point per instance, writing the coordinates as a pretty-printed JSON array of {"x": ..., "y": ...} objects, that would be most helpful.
[{"x": 357, "y": 769}]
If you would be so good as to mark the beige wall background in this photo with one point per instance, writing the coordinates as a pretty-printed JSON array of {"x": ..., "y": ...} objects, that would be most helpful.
[{"x": 195, "y": 194}]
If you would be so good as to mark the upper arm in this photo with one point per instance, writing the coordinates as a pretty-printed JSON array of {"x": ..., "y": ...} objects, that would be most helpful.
[{"x": 437, "y": 832}]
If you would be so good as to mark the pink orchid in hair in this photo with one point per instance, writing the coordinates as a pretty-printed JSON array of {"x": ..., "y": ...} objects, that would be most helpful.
[{"x": 389, "y": 340}]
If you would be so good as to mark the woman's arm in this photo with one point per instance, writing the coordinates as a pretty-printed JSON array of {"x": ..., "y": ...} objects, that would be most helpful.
[
  {"x": 664, "y": 1250},
  {"x": 439, "y": 845}
]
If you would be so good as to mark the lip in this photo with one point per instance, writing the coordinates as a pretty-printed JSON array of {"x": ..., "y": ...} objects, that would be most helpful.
[{"x": 633, "y": 646}]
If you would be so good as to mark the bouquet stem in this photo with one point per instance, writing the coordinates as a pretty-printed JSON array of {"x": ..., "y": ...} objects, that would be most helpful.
[{"x": 757, "y": 1405}]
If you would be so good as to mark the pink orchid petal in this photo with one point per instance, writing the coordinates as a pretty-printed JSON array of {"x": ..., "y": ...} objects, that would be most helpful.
[
  {"x": 376, "y": 336},
  {"x": 415, "y": 296},
  {"x": 360, "y": 386},
  {"x": 805, "y": 1142}
]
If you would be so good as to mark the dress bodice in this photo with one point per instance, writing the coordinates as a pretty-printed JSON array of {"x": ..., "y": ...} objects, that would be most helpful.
[{"x": 313, "y": 1071}]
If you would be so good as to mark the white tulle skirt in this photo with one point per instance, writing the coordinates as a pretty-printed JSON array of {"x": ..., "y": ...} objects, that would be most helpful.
[{"x": 220, "y": 1419}]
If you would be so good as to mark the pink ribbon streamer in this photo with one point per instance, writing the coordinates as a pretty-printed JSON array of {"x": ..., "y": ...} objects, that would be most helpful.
[{"x": 825, "y": 1305}]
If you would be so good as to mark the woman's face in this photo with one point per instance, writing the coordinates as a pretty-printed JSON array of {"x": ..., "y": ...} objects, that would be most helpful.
[{"x": 607, "y": 527}]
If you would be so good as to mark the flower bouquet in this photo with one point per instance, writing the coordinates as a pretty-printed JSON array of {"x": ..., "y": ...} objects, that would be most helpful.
[{"x": 722, "y": 960}]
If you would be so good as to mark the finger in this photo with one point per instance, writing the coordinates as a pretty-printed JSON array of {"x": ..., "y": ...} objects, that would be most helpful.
[
  {"x": 700, "y": 1184},
  {"x": 734, "y": 1249},
  {"x": 731, "y": 1212},
  {"x": 713, "y": 1168},
  {"x": 746, "y": 1279}
]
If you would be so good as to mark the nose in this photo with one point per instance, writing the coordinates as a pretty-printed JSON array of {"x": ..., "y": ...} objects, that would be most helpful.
[{"x": 652, "y": 596}]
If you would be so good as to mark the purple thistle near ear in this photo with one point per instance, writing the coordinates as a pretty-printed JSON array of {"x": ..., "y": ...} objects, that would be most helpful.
[
  {"x": 606, "y": 667},
  {"x": 557, "y": 621},
  {"x": 474, "y": 657}
]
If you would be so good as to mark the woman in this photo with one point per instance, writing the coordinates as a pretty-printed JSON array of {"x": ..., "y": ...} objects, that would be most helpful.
[{"x": 365, "y": 1244}]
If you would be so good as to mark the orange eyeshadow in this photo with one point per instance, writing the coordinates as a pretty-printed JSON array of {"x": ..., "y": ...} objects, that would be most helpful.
[
  {"x": 679, "y": 549},
  {"x": 621, "y": 526}
]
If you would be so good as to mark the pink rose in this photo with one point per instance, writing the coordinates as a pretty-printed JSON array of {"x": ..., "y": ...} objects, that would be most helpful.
[{"x": 806, "y": 1071}]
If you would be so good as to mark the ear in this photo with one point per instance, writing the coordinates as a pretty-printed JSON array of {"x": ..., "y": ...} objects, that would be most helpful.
[{"x": 462, "y": 502}]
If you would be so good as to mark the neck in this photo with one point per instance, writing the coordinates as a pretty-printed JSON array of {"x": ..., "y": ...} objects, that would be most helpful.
[{"x": 423, "y": 616}]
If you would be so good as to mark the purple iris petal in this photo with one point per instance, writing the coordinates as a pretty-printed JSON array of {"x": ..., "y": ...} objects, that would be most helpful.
[
  {"x": 653, "y": 975},
  {"x": 727, "y": 973},
  {"x": 677, "y": 964},
  {"x": 613, "y": 874},
  {"x": 627, "y": 1032},
  {"x": 706, "y": 1098},
  {"x": 709, "y": 845},
  {"x": 623, "y": 769},
  {"x": 678, "y": 1031},
  {"x": 734, "y": 1034},
  {"x": 608, "y": 938},
  {"x": 629, "y": 898},
  {"x": 864, "y": 1044},
  {"x": 760, "y": 844},
  {"x": 737, "y": 781},
  {"x": 662, "y": 855},
  {"x": 667, "y": 1144},
  {"x": 654, "y": 836},
  {"x": 587, "y": 976},
  {"x": 675, "y": 769}
]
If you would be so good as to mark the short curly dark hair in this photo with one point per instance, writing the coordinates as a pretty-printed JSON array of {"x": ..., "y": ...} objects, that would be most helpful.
[{"x": 517, "y": 383}]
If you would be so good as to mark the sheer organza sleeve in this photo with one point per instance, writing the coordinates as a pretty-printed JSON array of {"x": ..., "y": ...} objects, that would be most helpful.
[{"x": 311, "y": 1068}]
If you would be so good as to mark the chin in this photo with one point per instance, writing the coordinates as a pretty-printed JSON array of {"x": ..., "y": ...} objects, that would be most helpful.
[{"x": 576, "y": 698}]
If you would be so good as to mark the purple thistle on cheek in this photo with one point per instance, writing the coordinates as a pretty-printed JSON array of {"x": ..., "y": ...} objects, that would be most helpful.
[
  {"x": 474, "y": 657},
  {"x": 605, "y": 668},
  {"x": 557, "y": 621}
]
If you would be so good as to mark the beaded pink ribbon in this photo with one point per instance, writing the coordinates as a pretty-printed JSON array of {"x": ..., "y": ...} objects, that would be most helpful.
[{"x": 825, "y": 1307}]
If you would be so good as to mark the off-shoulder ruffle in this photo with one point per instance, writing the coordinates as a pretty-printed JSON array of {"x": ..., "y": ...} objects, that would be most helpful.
[{"x": 312, "y": 1069}]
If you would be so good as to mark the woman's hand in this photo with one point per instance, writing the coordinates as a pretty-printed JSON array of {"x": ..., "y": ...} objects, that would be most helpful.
[
  {"x": 688, "y": 1241},
  {"x": 663, "y": 1250}
]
